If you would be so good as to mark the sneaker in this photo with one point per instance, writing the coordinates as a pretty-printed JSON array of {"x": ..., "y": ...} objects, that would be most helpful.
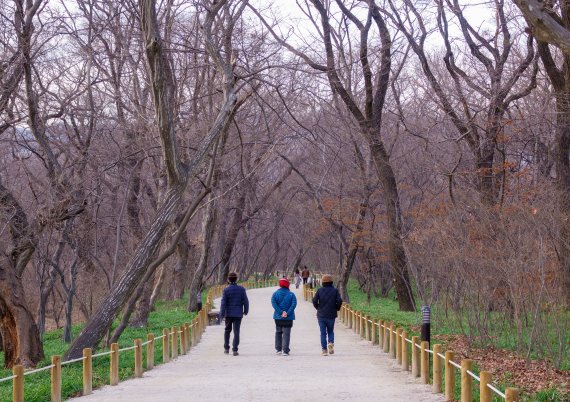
[
  {"x": 324, "y": 352},
  {"x": 331, "y": 348},
  {"x": 285, "y": 354},
  {"x": 278, "y": 352},
  {"x": 226, "y": 351},
  {"x": 236, "y": 353}
]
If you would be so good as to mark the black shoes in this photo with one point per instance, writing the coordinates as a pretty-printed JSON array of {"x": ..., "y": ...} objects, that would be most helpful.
[
  {"x": 236, "y": 353},
  {"x": 226, "y": 351}
]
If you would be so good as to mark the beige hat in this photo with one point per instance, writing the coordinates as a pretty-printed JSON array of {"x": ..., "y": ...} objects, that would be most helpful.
[{"x": 327, "y": 278}]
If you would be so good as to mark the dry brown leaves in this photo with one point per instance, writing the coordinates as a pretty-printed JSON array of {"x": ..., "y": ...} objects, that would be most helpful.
[{"x": 507, "y": 366}]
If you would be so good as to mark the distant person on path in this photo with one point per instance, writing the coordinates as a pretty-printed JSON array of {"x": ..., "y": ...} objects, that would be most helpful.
[
  {"x": 305, "y": 274},
  {"x": 284, "y": 302},
  {"x": 297, "y": 276},
  {"x": 327, "y": 301},
  {"x": 234, "y": 306}
]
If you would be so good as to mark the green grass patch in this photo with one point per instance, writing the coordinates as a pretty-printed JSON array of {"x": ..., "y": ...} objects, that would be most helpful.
[
  {"x": 37, "y": 386},
  {"x": 380, "y": 308}
]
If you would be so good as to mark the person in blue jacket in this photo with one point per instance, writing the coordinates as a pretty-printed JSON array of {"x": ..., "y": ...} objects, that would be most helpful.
[
  {"x": 234, "y": 306},
  {"x": 327, "y": 301},
  {"x": 284, "y": 303}
]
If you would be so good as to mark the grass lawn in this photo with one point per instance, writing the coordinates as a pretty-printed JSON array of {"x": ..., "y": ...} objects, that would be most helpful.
[
  {"x": 387, "y": 309},
  {"x": 37, "y": 386}
]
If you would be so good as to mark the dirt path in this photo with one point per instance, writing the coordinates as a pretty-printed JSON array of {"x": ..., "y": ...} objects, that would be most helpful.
[{"x": 356, "y": 372}]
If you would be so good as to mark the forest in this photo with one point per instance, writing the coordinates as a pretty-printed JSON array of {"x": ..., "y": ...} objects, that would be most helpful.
[{"x": 420, "y": 149}]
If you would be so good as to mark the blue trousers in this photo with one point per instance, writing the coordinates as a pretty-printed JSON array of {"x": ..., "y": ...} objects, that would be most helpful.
[{"x": 327, "y": 331}]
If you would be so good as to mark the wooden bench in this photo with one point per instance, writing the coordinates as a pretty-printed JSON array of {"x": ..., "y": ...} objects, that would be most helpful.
[{"x": 214, "y": 317}]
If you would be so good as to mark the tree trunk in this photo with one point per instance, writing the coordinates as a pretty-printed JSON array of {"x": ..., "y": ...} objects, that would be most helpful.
[
  {"x": 398, "y": 260},
  {"x": 563, "y": 176},
  {"x": 231, "y": 237},
  {"x": 143, "y": 307},
  {"x": 181, "y": 268},
  {"x": 208, "y": 226},
  {"x": 20, "y": 335}
]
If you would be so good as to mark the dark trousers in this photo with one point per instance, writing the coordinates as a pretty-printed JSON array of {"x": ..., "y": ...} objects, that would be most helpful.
[
  {"x": 326, "y": 326},
  {"x": 235, "y": 323},
  {"x": 305, "y": 280},
  {"x": 282, "y": 338}
]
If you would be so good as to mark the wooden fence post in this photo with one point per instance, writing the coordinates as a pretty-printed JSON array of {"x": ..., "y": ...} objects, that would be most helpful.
[
  {"x": 415, "y": 358},
  {"x": 405, "y": 364},
  {"x": 18, "y": 383},
  {"x": 374, "y": 334},
  {"x": 436, "y": 389},
  {"x": 449, "y": 376},
  {"x": 114, "y": 366},
  {"x": 87, "y": 371},
  {"x": 174, "y": 342},
  {"x": 150, "y": 351},
  {"x": 138, "y": 358},
  {"x": 392, "y": 341},
  {"x": 386, "y": 334},
  {"x": 425, "y": 362},
  {"x": 56, "y": 379},
  {"x": 399, "y": 345},
  {"x": 466, "y": 381},
  {"x": 511, "y": 395},
  {"x": 187, "y": 336},
  {"x": 485, "y": 393},
  {"x": 165, "y": 352},
  {"x": 182, "y": 342}
]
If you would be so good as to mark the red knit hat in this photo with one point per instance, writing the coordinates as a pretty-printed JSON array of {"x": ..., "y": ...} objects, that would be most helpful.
[{"x": 284, "y": 283}]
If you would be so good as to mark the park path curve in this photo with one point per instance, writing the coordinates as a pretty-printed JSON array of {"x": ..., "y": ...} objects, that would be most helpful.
[{"x": 357, "y": 371}]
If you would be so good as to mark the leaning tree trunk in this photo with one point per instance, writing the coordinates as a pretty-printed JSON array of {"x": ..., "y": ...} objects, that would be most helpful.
[{"x": 230, "y": 239}]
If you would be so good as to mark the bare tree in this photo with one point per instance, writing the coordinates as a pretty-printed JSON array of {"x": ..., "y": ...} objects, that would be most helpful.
[{"x": 550, "y": 23}]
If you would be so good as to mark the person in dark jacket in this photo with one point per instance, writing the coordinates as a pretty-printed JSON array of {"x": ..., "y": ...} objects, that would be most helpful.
[
  {"x": 234, "y": 306},
  {"x": 327, "y": 301},
  {"x": 284, "y": 302}
]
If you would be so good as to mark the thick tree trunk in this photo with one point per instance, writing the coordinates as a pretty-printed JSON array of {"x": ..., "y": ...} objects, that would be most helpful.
[
  {"x": 181, "y": 268},
  {"x": 398, "y": 260},
  {"x": 20, "y": 335},
  {"x": 101, "y": 321}
]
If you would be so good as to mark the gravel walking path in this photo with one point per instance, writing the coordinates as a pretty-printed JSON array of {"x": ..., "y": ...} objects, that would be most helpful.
[{"x": 357, "y": 371}]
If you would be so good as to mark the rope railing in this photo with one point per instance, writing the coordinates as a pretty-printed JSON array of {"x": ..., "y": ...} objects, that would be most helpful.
[
  {"x": 175, "y": 340},
  {"x": 394, "y": 341}
]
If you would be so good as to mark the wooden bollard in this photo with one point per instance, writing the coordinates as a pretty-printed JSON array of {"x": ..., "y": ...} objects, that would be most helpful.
[
  {"x": 150, "y": 351},
  {"x": 436, "y": 388},
  {"x": 415, "y": 358},
  {"x": 369, "y": 325},
  {"x": 374, "y": 333},
  {"x": 425, "y": 362},
  {"x": 18, "y": 383},
  {"x": 405, "y": 364},
  {"x": 165, "y": 351},
  {"x": 114, "y": 365},
  {"x": 466, "y": 381},
  {"x": 138, "y": 358},
  {"x": 354, "y": 321},
  {"x": 381, "y": 334},
  {"x": 386, "y": 332},
  {"x": 512, "y": 395},
  {"x": 182, "y": 342},
  {"x": 485, "y": 393},
  {"x": 449, "y": 376},
  {"x": 349, "y": 317},
  {"x": 392, "y": 341},
  {"x": 56, "y": 379},
  {"x": 87, "y": 371},
  {"x": 362, "y": 325},
  {"x": 399, "y": 345}
]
